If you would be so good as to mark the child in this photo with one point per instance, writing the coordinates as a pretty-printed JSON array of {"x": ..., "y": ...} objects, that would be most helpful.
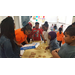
[
  {"x": 60, "y": 36},
  {"x": 29, "y": 36},
  {"x": 53, "y": 42},
  {"x": 21, "y": 34},
  {"x": 36, "y": 32},
  {"x": 68, "y": 49},
  {"x": 45, "y": 32}
]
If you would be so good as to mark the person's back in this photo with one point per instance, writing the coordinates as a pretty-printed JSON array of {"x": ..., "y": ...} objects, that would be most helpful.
[
  {"x": 59, "y": 36},
  {"x": 6, "y": 49}
]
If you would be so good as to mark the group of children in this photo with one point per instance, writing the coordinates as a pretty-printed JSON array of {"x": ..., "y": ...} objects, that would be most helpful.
[
  {"x": 11, "y": 40},
  {"x": 67, "y": 38}
]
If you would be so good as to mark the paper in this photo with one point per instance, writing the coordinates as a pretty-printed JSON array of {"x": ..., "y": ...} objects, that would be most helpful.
[
  {"x": 29, "y": 46},
  {"x": 21, "y": 52}
]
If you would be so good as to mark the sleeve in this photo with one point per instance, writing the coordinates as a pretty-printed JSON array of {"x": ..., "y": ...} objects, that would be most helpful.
[{"x": 9, "y": 50}]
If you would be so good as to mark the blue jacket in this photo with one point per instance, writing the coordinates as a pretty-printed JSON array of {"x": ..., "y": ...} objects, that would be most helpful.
[
  {"x": 6, "y": 50},
  {"x": 25, "y": 19}
]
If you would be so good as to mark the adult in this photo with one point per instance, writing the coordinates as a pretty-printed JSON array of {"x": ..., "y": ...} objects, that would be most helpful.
[{"x": 8, "y": 47}]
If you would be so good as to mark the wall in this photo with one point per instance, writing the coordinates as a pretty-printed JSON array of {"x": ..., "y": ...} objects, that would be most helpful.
[
  {"x": 17, "y": 22},
  {"x": 73, "y": 20},
  {"x": 69, "y": 20},
  {"x": 2, "y": 17},
  {"x": 51, "y": 18}
]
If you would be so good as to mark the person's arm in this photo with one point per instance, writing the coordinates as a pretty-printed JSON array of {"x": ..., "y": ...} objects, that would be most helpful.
[
  {"x": 18, "y": 43},
  {"x": 26, "y": 41},
  {"x": 43, "y": 37},
  {"x": 55, "y": 54},
  {"x": 9, "y": 50},
  {"x": 47, "y": 47}
]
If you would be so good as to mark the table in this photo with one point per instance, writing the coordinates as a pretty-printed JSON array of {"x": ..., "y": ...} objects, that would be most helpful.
[{"x": 39, "y": 52}]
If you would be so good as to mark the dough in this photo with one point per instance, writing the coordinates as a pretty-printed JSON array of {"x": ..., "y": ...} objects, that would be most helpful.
[
  {"x": 44, "y": 56},
  {"x": 39, "y": 55}
]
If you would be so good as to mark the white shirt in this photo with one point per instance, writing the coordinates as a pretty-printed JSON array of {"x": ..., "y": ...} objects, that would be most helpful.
[{"x": 45, "y": 34}]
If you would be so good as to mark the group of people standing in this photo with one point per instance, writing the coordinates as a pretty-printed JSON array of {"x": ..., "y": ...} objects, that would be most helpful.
[
  {"x": 11, "y": 40},
  {"x": 54, "y": 27}
]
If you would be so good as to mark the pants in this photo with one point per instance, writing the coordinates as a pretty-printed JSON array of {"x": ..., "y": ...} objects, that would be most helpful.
[
  {"x": 60, "y": 43},
  {"x": 28, "y": 39}
]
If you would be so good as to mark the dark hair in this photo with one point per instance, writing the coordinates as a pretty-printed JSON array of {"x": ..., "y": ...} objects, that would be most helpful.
[
  {"x": 27, "y": 27},
  {"x": 61, "y": 25},
  {"x": 73, "y": 23},
  {"x": 7, "y": 29},
  {"x": 70, "y": 31},
  {"x": 0, "y": 30},
  {"x": 36, "y": 23},
  {"x": 60, "y": 30},
  {"x": 46, "y": 24},
  {"x": 34, "y": 27}
]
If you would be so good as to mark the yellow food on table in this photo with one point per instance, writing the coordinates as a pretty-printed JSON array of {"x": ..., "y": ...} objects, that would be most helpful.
[{"x": 38, "y": 52}]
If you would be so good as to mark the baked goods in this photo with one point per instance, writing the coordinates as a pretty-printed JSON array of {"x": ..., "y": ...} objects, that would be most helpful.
[
  {"x": 39, "y": 55},
  {"x": 32, "y": 53},
  {"x": 44, "y": 56}
]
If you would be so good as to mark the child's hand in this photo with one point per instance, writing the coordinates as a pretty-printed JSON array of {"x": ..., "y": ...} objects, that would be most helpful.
[
  {"x": 45, "y": 41},
  {"x": 19, "y": 45},
  {"x": 32, "y": 40},
  {"x": 47, "y": 47}
]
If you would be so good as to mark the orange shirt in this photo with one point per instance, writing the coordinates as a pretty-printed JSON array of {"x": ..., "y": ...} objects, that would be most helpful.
[
  {"x": 60, "y": 36},
  {"x": 20, "y": 36}
]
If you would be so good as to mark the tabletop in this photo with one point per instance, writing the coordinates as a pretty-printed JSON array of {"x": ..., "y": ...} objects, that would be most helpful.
[{"x": 38, "y": 52}]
